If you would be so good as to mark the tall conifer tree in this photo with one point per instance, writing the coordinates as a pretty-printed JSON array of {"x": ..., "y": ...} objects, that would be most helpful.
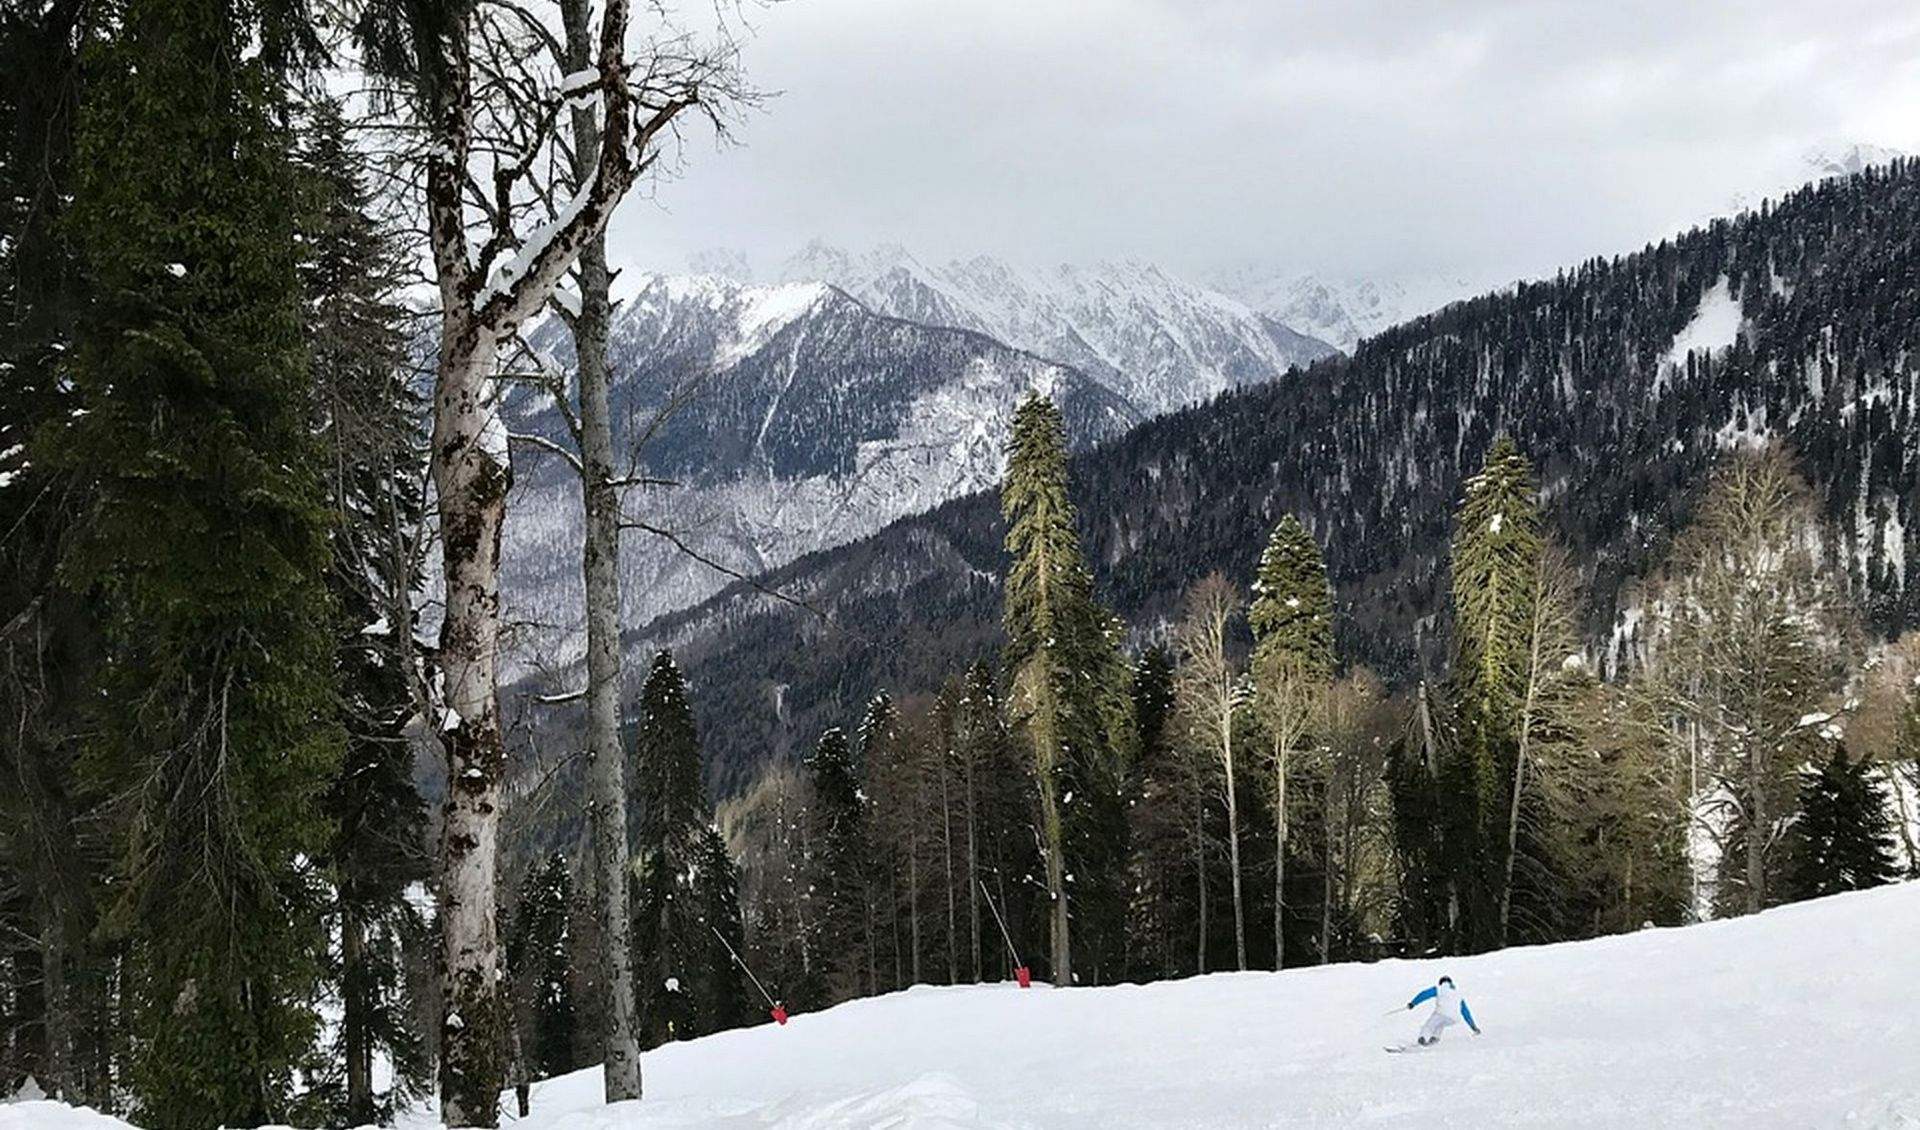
[
  {"x": 1068, "y": 687},
  {"x": 838, "y": 903},
  {"x": 207, "y": 547},
  {"x": 1293, "y": 661},
  {"x": 1497, "y": 547},
  {"x": 539, "y": 954},
  {"x": 1843, "y": 839},
  {"x": 686, "y": 982},
  {"x": 53, "y": 970},
  {"x": 367, "y": 415}
]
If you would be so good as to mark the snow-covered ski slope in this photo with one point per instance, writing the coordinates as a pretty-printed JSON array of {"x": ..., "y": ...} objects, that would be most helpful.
[{"x": 1806, "y": 1016}]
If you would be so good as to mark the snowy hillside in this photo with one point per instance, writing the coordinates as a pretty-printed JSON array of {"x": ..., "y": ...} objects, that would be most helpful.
[
  {"x": 807, "y": 421},
  {"x": 1802, "y": 1016},
  {"x": 1154, "y": 339}
]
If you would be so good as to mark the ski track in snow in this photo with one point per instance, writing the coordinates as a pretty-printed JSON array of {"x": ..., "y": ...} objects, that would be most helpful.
[{"x": 1804, "y": 1016}]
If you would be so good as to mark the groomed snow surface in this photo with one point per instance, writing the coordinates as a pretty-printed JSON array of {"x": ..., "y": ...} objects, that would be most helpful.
[{"x": 1806, "y": 1016}]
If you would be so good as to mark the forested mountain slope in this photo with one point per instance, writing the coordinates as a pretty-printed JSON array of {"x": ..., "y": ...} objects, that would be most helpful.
[
  {"x": 1621, "y": 378},
  {"x": 792, "y": 418}
]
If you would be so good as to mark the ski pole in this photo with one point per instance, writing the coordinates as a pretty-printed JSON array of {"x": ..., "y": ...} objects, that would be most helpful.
[
  {"x": 778, "y": 1013},
  {"x": 1020, "y": 971}
]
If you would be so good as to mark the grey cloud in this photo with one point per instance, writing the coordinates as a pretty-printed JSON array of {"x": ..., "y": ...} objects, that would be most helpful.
[{"x": 1489, "y": 140}]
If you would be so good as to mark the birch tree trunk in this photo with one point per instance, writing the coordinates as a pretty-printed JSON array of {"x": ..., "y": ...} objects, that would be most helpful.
[
  {"x": 471, "y": 477},
  {"x": 973, "y": 877},
  {"x": 600, "y": 566},
  {"x": 1280, "y": 855},
  {"x": 472, "y": 474},
  {"x": 1200, "y": 873},
  {"x": 1233, "y": 844},
  {"x": 1326, "y": 872}
]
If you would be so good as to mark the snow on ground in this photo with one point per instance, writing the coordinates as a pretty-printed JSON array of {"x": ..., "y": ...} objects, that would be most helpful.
[
  {"x": 1714, "y": 326},
  {"x": 1804, "y": 1016}
]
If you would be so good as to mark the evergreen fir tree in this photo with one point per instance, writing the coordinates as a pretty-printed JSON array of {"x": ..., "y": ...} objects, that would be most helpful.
[
  {"x": 1068, "y": 687},
  {"x": 1843, "y": 839},
  {"x": 55, "y": 966},
  {"x": 686, "y": 888},
  {"x": 539, "y": 954},
  {"x": 1161, "y": 811},
  {"x": 838, "y": 879},
  {"x": 1496, "y": 554},
  {"x": 1293, "y": 662},
  {"x": 205, "y": 546},
  {"x": 1292, "y": 607},
  {"x": 367, "y": 413}
]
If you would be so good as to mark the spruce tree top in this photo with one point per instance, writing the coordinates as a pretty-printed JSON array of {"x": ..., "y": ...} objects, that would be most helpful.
[
  {"x": 1048, "y": 587},
  {"x": 1292, "y": 609},
  {"x": 1496, "y": 548},
  {"x": 835, "y": 778},
  {"x": 666, "y": 772},
  {"x": 1845, "y": 830},
  {"x": 877, "y": 729}
]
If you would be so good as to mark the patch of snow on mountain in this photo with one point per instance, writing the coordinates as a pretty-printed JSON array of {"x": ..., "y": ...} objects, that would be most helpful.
[
  {"x": 1715, "y": 325},
  {"x": 804, "y": 421}
]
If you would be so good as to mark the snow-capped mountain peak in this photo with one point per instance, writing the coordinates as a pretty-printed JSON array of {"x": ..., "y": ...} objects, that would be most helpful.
[
  {"x": 1338, "y": 310},
  {"x": 1842, "y": 159},
  {"x": 1156, "y": 340}
]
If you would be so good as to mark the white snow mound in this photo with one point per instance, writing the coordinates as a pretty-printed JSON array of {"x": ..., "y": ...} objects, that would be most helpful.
[{"x": 1802, "y": 1016}]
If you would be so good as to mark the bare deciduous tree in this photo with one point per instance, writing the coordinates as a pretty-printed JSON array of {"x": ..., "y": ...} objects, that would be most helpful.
[
  {"x": 501, "y": 240},
  {"x": 1749, "y": 644},
  {"x": 1289, "y": 696},
  {"x": 1210, "y": 694},
  {"x": 1548, "y": 683}
]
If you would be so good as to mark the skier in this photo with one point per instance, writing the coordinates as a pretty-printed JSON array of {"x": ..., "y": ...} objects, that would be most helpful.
[{"x": 1447, "y": 1003}]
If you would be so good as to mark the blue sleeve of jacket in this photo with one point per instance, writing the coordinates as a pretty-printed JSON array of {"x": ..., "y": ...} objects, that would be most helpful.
[
  {"x": 1466, "y": 1014},
  {"x": 1426, "y": 994}
]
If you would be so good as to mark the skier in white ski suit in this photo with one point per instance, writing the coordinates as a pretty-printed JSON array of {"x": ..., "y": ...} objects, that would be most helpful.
[{"x": 1448, "y": 1005}]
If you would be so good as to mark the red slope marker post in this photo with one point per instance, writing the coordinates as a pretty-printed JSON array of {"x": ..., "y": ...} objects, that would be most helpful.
[
  {"x": 774, "y": 1008},
  {"x": 1020, "y": 971}
]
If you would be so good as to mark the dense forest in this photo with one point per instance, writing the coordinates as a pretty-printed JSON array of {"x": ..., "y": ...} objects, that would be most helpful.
[
  {"x": 1243, "y": 794},
  {"x": 1371, "y": 451}
]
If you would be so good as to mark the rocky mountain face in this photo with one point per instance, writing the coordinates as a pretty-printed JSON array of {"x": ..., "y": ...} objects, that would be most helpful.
[
  {"x": 1624, "y": 379},
  {"x": 791, "y": 418},
  {"x": 1156, "y": 340}
]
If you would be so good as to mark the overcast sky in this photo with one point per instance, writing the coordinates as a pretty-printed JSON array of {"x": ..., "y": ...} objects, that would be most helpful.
[{"x": 1485, "y": 139}]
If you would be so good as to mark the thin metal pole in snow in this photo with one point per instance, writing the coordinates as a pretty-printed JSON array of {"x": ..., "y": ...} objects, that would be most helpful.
[
  {"x": 737, "y": 960},
  {"x": 1001, "y": 922}
]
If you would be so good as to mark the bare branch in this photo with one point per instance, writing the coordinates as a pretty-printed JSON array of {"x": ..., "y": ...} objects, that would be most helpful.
[
  {"x": 547, "y": 445},
  {"x": 754, "y": 583}
]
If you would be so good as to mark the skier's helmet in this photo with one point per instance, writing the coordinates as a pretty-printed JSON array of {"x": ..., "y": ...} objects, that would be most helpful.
[{"x": 1447, "y": 981}]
